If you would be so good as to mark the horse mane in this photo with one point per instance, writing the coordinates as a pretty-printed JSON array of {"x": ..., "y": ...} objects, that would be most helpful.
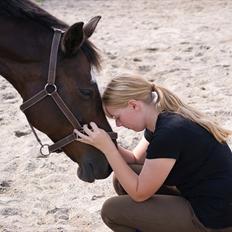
[{"x": 25, "y": 9}]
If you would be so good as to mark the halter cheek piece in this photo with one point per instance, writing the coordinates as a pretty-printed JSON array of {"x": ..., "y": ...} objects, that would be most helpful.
[{"x": 50, "y": 89}]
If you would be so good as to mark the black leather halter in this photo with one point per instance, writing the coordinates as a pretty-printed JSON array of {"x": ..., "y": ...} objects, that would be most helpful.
[{"x": 50, "y": 89}]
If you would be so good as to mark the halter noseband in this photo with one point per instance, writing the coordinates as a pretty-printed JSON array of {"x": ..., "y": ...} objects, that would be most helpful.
[{"x": 50, "y": 89}]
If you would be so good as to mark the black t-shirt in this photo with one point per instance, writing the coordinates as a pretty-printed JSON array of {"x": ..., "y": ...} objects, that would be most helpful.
[{"x": 203, "y": 168}]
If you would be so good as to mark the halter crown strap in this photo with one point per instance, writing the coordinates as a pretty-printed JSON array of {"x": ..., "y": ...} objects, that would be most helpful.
[{"x": 53, "y": 56}]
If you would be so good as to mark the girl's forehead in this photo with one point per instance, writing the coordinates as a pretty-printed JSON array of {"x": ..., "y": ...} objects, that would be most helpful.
[{"x": 111, "y": 111}]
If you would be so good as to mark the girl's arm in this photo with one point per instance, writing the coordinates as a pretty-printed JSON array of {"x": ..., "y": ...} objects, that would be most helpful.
[
  {"x": 127, "y": 155},
  {"x": 143, "y": 186},
  {"x": 139, "y": 187},
  {"x": 137, "y": 156},
  {"x": 140, "y": 151}
]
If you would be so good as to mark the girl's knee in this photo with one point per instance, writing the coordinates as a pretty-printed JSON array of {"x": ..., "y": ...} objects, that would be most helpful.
[
  {"x": 109, "y": 211},
  {"x": 108, "y": 207},
  {"x": 112, "y": 215}
]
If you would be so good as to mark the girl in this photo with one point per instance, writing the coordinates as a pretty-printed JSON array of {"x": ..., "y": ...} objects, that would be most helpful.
[{"x": 181, "y": 148}]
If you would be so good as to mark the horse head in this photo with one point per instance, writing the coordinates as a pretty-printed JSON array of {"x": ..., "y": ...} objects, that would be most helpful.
[{"x": 27, "y": 69}]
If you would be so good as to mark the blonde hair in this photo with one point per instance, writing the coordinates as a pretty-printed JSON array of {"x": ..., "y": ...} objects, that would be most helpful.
[{"x": 124, "y": 88}]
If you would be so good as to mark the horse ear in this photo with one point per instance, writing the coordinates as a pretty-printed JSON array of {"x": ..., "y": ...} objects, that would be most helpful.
[
  {"x": 90, "y": 27},
  {"x": 73, "y": 38}
]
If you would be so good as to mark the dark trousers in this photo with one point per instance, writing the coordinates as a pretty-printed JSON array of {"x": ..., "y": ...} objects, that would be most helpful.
[{"x": 166, "y": 211}]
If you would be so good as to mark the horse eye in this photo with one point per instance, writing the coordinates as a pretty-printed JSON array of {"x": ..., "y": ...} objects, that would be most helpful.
[{"x": 87, "y": 93}]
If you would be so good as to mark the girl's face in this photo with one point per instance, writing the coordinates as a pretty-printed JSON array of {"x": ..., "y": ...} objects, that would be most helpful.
[{"x": 131, "y": 116}]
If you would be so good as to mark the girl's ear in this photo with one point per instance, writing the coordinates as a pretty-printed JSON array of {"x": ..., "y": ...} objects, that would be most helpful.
[{"x": 133, "y": 104}]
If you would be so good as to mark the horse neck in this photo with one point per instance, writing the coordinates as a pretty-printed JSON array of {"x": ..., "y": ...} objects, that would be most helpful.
[{"x": 24, "y": 52}]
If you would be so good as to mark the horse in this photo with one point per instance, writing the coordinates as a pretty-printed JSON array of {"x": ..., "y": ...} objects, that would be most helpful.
[{"x": 50, "y": 65}]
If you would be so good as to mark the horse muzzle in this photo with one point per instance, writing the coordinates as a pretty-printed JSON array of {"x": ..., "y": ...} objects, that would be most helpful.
[{"x": 89, "y": 172}]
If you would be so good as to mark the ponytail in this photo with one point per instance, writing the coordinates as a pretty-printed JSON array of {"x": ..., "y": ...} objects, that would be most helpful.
[{"x": 168, "y": 101}]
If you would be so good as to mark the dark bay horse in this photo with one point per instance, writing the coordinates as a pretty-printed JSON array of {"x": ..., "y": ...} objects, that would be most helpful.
[{"x": 26, "y": 35}]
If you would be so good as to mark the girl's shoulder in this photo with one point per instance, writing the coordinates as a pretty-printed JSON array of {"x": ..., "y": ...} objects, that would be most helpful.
[
  {"x": 166, "y": 123},
  {"x": 170, "y": 119},
  {"x": 174, "y": 126}
]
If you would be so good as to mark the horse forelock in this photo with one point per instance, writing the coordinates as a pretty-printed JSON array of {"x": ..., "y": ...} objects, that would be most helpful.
[{"x": 92, "y": 54}]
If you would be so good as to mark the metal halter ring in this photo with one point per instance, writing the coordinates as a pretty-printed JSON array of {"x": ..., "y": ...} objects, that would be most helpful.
[
  {"x": 50, "y": 88},
  {"x": 44, "y": 150}
]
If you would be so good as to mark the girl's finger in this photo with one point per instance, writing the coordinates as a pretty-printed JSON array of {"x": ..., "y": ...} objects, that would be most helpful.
[
  {"x": 81, "y": 136},
  {"x": 94, "y": 126},
  {"x": 87, "y": 130},
  {"x": 75, "y": 131}
]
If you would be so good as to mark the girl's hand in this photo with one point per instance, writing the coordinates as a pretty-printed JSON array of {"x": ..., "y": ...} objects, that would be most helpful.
[{"x": 96, "y": 137}]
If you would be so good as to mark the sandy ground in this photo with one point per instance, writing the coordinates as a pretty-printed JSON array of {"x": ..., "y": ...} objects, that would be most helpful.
[{"x": 185, "y": 45}]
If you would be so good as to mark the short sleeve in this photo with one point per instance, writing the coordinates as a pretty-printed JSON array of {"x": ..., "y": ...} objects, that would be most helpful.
[
  {"x": 165, "y": 143},
  {"x": 148, "y": 135}
]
